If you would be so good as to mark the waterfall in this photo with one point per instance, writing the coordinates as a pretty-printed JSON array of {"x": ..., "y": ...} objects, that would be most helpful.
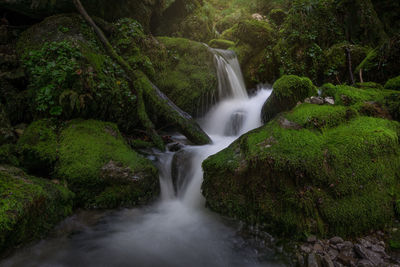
[
  {"x": 230, "y": 78},
  {"x": 178, "y": 230}
]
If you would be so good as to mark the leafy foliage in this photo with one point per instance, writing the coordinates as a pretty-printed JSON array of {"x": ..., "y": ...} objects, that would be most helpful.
[{"x": 52, "y": 69}]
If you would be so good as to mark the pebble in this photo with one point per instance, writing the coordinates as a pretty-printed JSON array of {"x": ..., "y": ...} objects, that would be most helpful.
[{"x": 336, "y": 240}]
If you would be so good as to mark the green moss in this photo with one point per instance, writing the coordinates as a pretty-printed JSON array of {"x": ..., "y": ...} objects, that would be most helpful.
[
  {"x": 38, "y": 147},
  {"x": 346, "y": 172},
  {"x": 228, "y": 34},
  {"x": 392, "y": 103},
  {"x": 291, "y": 86},
  {"x": 278, "y": 16},
  {"x": 8, "y": 155},
  {"x": 254, "y": 32},
  {"x": 70, "y": 74},
  {"x": 320, "y": 116},
  {"x": 347, "y": 95},
  {"x": 393, "y": 84},
  {"x": 368, "y": 85},
  {"x": 29, "y": 207},
  {"x": 221, "y": 43},
  {"x": 85, "y": 148},
  {"x": 189, "y": 78},
  {"x": 288, "y": 91}
]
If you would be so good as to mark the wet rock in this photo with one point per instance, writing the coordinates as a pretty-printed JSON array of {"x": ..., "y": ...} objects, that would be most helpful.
[
  {"x": 235, "y": 123},
  {"x": 365, "y": 263},
  {"x": 333, "y": 253},
  {"x": 329, "y": 100},
  {"x": 336, "y": 240},
  {"x": 312, "y": 239},
  {"x": 346, "y": 260},
  {"x": 118, "y": 173},
  {"x": 318, "y": 248},
  {"x": 317, "y": 100},
  {"x": 306, "y": 249},
  {"x": 285, "y": 123},
  {"x": 180, "y": 170},
  {"x": 257, "y": 16},
  {"x": 367, "y": 254},
  {"x": 313, "y": 260},
  {"x": 174, "y": 147},
  {"x": 327, "y": 262}
]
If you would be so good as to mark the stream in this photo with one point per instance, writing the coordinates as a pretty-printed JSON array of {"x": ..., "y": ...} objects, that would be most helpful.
[{"x": 177, "y": 230}]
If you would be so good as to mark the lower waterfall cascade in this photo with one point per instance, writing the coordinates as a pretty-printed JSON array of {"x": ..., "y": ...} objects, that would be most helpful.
[{"x": 177, "y": 230}]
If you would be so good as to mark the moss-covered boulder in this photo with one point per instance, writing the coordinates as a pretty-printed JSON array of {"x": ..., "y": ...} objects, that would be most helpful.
[
  {"x": 254, "y": 42},
  {"x": 288, "y": 91},
  {"x": 70, "y": 75},
  {"x": 29, "y": 206},
  {"x": 101, "y": 169},
  {"x": 221, "y": 43},
  {"x": 393, "y": 84},
  {"x": 277, "y": 16},
  {"x": 38, "y": 147},
  {"x": 313, "y": 170},
  {"x": 147, "y": 12},
  {"x": 189, "y": 78}
]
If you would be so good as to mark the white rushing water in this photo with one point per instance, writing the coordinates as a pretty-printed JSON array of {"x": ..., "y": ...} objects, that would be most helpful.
[{"x": 177, "y": 230}]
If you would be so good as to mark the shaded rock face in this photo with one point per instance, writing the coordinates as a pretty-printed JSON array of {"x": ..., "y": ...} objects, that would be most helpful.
[
  {"x": 294, "y": 174},
  {"x": 143, "y": 11},
  {"x": 29, "y": 206},
  {"x": 288, "y": 91},
  {"x": 180, "y": 170}
]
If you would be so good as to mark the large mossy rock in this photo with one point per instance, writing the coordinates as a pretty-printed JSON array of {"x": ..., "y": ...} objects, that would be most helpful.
[
  {"x": 393, "y": 84},
  {"x": 38, "y": 147},
  {"x": 101, "y": 169},
  {"x": 316, "y": 169},
  {"x": 288, "y": 91},
  {"x": 189, "y": 78},
  {"x": 29, "y": 206},
  {"x": 70, "y": 75},
  {"x": 143, "y": 11},
  {"x": 254, "y": 41}
]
